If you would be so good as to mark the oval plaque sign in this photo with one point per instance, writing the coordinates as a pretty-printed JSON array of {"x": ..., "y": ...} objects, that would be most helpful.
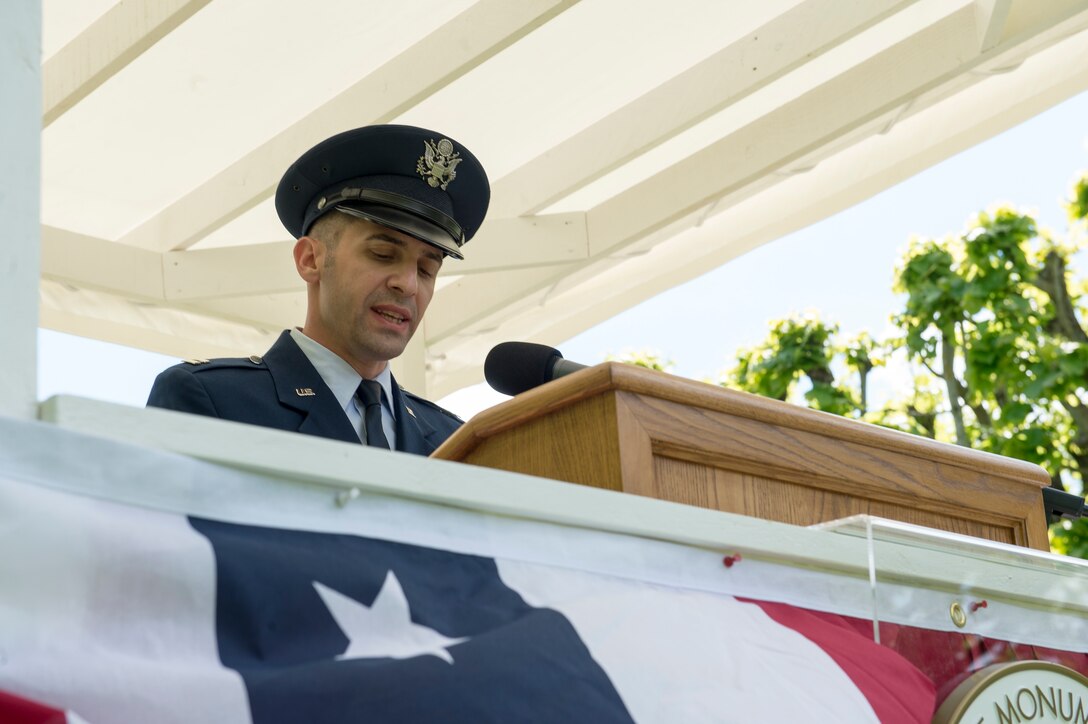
[{"x": 1024, "y": 691}]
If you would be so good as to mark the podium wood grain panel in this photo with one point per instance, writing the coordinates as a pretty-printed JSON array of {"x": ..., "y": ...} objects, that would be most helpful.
[
  {"x": 558, "y": 447},
  {"x": 648, "y": 433}
]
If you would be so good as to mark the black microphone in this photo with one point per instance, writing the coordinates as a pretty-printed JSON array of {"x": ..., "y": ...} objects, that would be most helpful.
[
  {"x": 514, "y": 367},
  {"x": 1060, "y": 504}
]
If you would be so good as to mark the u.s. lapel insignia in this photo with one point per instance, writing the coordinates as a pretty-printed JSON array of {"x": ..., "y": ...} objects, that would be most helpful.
[
  {"x": 305, "y": 392},
  {"x": 410, "y": 412},
  {"x": 438, "y": 163}
]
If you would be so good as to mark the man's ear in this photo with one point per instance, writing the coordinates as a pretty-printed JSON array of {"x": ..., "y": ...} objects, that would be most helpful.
[{"x": 309, "y": 253}]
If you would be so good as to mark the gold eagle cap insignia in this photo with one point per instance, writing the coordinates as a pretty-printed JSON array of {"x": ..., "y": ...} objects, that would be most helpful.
[{"x": 438, "y": 163}]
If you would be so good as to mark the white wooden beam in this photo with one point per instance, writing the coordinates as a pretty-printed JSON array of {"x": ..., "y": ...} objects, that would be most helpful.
[
  {"x": 254, "y": 269},
  {"x": 453, "y": 50},
  {"x": 90, "y": 263},
  {"x": 188, "y": 277},
  {"x": 113, "y": 41},
  {"x": 991, "y": 17},
  {"x": 110, "y": 291},
  {"x": 939, "y": 54},
  {"x": 912, "y": 74},
  {"x": 517, "y": 243},
  {"x": 230, "y": 272},
  {"x": 87, "y": 262},
  {"x": 469, "y": 314},
  {"x": 20, "y": 203},
  {"x": 762, "y": 56},
  {"x": 270, "y": 313},
  {"x": 1027, "y": 19},
  {"x": 586, "y": 295},
  {"x": 479, "y": 303},
  {"x": 175, "y": 332}
]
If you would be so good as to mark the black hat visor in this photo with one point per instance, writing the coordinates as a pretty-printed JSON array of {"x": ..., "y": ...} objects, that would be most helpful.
[{"x": 400, "y": 213}]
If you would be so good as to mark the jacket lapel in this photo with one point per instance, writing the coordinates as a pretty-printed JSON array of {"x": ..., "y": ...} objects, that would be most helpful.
[
  {"x": 301, "y": 388},
  {"x": 413, "y": 433}
]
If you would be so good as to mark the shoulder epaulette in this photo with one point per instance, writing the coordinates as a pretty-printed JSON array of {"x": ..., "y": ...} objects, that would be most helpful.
[{"x": 201, "y": 364}]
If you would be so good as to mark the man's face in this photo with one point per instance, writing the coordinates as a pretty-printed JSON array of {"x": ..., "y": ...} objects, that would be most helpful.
[{"x": 372, "y": 290}]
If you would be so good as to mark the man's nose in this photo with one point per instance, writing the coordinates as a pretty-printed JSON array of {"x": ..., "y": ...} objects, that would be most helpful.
[{"x": 404, "y": 279}]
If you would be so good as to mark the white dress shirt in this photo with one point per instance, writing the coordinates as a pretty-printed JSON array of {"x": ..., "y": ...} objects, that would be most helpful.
[{"x": 344, "y": 381}]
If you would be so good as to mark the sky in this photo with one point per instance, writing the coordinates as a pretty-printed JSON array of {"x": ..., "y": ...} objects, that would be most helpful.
[{"x": 841, "y": 268}]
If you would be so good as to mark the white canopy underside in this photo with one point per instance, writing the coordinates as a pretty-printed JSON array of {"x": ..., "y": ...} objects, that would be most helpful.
[{"x": 632, "y": 144}]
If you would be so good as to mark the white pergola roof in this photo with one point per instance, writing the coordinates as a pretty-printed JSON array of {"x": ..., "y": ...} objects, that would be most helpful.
[{"x": 632, "y": 144}]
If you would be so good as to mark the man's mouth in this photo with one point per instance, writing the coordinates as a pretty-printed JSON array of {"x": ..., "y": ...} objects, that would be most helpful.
[{"x": 392, "y": 316}]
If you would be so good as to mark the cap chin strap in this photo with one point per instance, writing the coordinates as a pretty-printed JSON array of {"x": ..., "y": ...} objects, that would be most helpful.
[{"x": 401, "y": 213}]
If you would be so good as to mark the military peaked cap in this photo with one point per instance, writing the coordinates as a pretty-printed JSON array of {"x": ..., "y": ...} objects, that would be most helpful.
[{"x": 416, "y": 181}]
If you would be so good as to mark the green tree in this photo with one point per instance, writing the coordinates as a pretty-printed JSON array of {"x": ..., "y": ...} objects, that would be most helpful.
[
  {"x": 800, "y": 349},
  {"x": 650, "y": 359},
  {"x": 995, "y": 329}
]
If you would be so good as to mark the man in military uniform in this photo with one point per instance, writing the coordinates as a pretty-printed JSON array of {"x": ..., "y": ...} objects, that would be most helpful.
[{"x": 375, "y": 211}]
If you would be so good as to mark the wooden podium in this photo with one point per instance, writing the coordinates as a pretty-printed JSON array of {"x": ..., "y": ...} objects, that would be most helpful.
[{"x": 635, "y": 430}]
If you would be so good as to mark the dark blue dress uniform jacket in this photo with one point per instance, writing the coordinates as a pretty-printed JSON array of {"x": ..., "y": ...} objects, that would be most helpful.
[{"x": 273, "y": 392}]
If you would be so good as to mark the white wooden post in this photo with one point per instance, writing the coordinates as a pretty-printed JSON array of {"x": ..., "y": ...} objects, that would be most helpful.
[{"x": 20, "y": 183}]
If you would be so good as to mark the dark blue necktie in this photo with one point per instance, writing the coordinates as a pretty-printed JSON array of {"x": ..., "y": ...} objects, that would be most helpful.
[{"x": 370, "y": 394}]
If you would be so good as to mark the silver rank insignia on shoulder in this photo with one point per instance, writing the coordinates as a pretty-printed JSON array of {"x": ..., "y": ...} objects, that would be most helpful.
[
  {"x": 437, "y": 163},
  {"x": 305, "y": 392},
  {"x": 196, "y": 361}
]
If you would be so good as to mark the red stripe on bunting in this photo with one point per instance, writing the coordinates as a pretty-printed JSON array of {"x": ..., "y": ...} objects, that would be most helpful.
[
  {"x": 898, "y": 692},
  {"x": 17, "y": 710}
]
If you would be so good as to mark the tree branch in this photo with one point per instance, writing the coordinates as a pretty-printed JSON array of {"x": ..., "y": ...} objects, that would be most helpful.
[
  {"x": 955, "y": 397},
  {"x": 925, "y": 420},
  {"x": 821, "y": 374},
  {"x": 1052, "y": 281},
  {"x": 1078, "y": 444},
  {"x": 863, "y": 385},
  {"x": 929, "y": 368},
  {"x": 983, "y": 416}
]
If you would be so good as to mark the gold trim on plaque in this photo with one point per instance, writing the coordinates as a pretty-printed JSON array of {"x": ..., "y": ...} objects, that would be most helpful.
[{"x": 978, "y": 684}]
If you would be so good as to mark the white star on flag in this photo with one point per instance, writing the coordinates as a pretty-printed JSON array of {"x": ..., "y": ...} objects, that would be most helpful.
[{"x": 385, "y": 628}]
